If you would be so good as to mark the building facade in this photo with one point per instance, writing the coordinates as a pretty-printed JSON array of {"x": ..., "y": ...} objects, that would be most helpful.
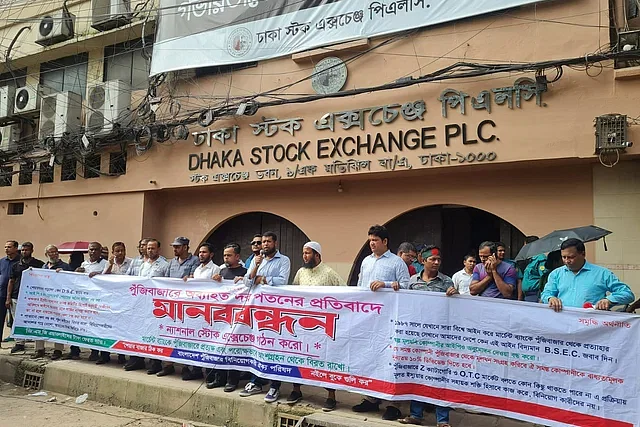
[{"x": 453, "y": 162}]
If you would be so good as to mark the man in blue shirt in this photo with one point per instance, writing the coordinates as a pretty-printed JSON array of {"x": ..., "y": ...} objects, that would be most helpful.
[
  {"x": 256, "y": 247},
  {"x": 6, "y": 265},
  {"x": 580, "y": 282}
]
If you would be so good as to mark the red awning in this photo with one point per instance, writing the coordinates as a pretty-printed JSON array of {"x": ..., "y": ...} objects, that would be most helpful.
[{"x": 68, "y": 247}]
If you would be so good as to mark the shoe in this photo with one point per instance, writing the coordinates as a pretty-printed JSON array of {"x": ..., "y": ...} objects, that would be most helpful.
[
  {"x": 94, "y": 356},
  {"x": 391, "y": 414},
  {"x": 329, "y": 405},
  {"x": 410, "y": 420},
  {"x": 191, "y": 374},
  {"x": 228, "y": 388},
  {"x": 216, "y": 383},
  {"x": 17, "y": 348},
  {"x": 294, "y": 397},
  {"x": 103, "y": 361},
  {"x": 122, "y": 359},
  {"x": 272, "y": 395},
  {"x": 366, "y": 406},
  {"x": 155, "y": 368},
  {"x": 135, "y": 365},
  {"x": 250, "y": 389},
  {"x": 57, "y": 354},
  {"x": 167, "y": 370},
  {"x": 38, "y": 354},
  {"x": 71, "y": 356}
]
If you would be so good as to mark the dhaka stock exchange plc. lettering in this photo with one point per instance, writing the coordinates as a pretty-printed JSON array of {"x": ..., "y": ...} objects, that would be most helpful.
[{"x": 425, "y": 138}]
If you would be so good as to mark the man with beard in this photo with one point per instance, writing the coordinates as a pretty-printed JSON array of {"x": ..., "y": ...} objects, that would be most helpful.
[
  {"x": 269, "y": 268},
  {"x": 54, "y": 263},
  {"x": 430, "y": 279},
  {"x": 26, "y": 262},
  {"x": 136, "y": 263},
  {"x": 6, "y": 265},
  {"x": 314, "y": 273},
  {"x": 207, "y": 268}
]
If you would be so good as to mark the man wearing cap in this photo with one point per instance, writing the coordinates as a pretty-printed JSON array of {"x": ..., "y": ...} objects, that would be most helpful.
[
  {"x": 181, "y": 267},
  {"x": 314, "y": 273}
]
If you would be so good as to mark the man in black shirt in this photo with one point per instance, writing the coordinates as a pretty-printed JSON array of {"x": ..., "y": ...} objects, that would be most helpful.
[
  {"x": 13, "y": 289},
  {"x": 231, "y": 270}
]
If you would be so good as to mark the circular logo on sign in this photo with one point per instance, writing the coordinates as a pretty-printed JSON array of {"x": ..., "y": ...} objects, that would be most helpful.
[
  {"x": 239, "y": 42},
  {"x": 329, "y": 75}
]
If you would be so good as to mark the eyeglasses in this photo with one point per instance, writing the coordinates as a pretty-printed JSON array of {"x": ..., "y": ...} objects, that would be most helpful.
[{"x": 255, "y": 243}]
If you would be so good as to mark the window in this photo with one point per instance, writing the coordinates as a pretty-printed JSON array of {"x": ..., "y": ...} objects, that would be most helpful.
[
  {"x": 66, "y": 74},
  {"x": 92, "y": 166},
  {"x": 118, "y": 163},
  {"x": 19, "y": 76},
  {"x": 46, "y": 173},
  {"x": 124, "y": 61},
  {"x": 6, "y": 176},
  {"x": 16, "y": 208},
  {"x": 26, "y": 174},
  {"x": 68, "y": 170}
]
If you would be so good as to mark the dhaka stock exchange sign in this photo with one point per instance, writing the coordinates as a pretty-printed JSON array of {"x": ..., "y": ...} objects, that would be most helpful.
[{"x": 222, "y": 32}]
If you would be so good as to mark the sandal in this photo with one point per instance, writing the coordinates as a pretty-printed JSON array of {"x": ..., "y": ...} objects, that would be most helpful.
[{"x": 410, "y": 420}]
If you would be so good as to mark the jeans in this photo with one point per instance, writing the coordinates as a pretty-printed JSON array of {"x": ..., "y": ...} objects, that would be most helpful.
[
  {"x": 417, "y": 409},
  {"x": 531, "y": 296},
  {"x": 3, "y": 315}
]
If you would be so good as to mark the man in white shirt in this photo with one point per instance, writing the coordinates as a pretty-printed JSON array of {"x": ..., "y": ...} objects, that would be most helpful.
[
  {"x": 462, "y": 279},
  {"x": 119, "y": 262},
  {"x": 207, "y": 268}
]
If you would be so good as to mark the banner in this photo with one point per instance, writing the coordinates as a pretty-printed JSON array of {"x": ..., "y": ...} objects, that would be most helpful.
[
  {"x": 199, "y": 33},
  {"x": 520, "y": 360}
]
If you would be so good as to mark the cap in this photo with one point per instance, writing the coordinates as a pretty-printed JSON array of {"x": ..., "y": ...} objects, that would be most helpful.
[
  {"x": 313, "y": 245},
  {"x": 179, "y": 241}
]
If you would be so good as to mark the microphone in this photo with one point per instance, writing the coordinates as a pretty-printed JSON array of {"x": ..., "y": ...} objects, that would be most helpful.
[
  {"x": 262, "y": 252},
  {"x": 587, "y": 305}
]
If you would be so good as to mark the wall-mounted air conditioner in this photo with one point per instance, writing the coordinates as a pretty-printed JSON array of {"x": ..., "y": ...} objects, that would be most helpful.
[
  {"x": 107, "y": 104},
  {"x": 9, "y": 137},
  {"x": 109, "y": 14},
  {"x": 7, "y": 98},
  {"x": 60, "y": 113},
  {"x": 55, "y": 28},
  {"x": 27, "y": 100}
]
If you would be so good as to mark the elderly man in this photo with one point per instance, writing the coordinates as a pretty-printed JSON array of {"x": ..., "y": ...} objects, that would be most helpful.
[
  {"x": 579, "y": 282},
  {"x": 269, "y": 268},
  {"x": 6, "y": 264},
  {"x": 492, "y": 277},
  {"x": 430, "y": 279},
  {"x": 381, "y": 269},
  {"x": 136, "y": 263},
  {"x": 314, "y": 273},
  {"x": 407, "y": 251},
  {"x": 26, "y": 262}
]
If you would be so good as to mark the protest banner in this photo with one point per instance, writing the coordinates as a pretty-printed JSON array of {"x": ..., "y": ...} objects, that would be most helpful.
[{"x": 508, "y": 358}]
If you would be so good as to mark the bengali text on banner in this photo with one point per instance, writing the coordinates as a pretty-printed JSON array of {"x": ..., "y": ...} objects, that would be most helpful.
[{"x": 520, "y": 360}]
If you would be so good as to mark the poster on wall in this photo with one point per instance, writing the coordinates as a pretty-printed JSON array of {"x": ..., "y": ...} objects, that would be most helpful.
[{"x": 197, "y": 33}]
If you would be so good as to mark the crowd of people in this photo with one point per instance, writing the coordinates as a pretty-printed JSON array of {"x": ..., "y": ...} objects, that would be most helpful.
[{"x": 564, "y": 279}]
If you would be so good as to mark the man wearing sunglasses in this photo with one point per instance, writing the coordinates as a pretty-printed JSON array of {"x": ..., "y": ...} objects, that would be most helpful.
[{"x": 256, "y": 246}]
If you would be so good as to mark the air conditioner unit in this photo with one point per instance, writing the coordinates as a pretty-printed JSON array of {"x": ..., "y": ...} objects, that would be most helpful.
[
  {"x": 106, "y": 105},
  {"x": 109, "y": 14},
  {"x": 55, "y": 28},
  {"x": 7, "y": 98},
  {"x": 9, "y": 137},
  {"x": 27, "y": 100},
  {"x": 60, "y": 113}
]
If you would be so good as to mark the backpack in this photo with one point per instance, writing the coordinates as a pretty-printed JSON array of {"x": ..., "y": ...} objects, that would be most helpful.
[{"x": 533, "y": 274}]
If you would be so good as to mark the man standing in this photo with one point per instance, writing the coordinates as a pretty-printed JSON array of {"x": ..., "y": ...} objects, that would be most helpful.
[
  {"x": 6, "y": 265},
  {"x": 181, "y": 267},
  {"x": 493, "y": 278},
  {"x": 381, "y": 269},
  {"x": 269, "y": 268},
  {"x": 136, "y": 263},
  {"x": 118, "y": 264},
  {"x": 430, "y": 280},
  {"x": 580, "y": 282},
  {"x": 54, "y": 263},
  {"x": 13, "y": 290},
  {"x": 256, "y": 247},
  {"x": 407, "y": 251},
  {"x": 232, "y": 269},
  {"x": 462, "y": 279},
  {"x": 314, "y": 273},
  {"x": 207, "y": 268}
]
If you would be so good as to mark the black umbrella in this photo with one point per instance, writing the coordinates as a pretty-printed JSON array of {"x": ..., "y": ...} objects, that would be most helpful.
[{"x": 552, "y": 241}]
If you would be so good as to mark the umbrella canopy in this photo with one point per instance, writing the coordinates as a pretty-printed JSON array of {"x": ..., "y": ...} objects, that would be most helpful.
[
  {"x": 69, "y": 247},
  {"x": 552, "y": 241}
]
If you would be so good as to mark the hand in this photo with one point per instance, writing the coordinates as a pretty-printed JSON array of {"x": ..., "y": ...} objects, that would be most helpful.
[
  {"x": 112, "y": 260},
  {"x": 259, "y": 259},
  {"x": 237, "y": 279},
  {"x": 93, "y": 274},
  {"x": 556, "y": 304},
  {"x": 452, "y": 291},
  {"x": 631, "y": 309},
  {"x": 375, "y": 285},
  {"x": 58, "y": 270},
  {"x": 184, "y": 279},
  {"x": 260, "y": 280},
  {"x": 488, "y": 268},
  {"x": 218, "y": 278},
  {"x": 395, "y": 286},
  {"x": 8, "y": 303},
  {"x": 493, "y": 262},
  {"x": 603, "y": 304}
]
